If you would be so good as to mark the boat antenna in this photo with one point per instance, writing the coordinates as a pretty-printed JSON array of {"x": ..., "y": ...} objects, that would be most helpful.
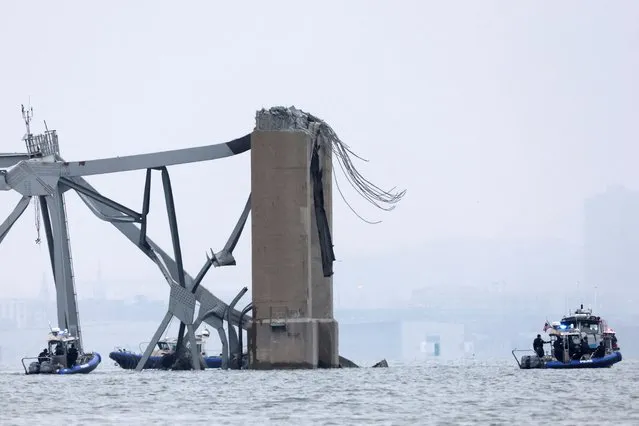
[{"x": 579, "y": 294}]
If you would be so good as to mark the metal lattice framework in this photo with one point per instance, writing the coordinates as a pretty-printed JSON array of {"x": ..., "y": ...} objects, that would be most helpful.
[{"x": 44, "y": 175}]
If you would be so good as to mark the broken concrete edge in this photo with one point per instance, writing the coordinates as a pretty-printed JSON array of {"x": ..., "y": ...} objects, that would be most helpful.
[
  {"x": 291, "y": 119},
  {"x": 282, "y": 119}
]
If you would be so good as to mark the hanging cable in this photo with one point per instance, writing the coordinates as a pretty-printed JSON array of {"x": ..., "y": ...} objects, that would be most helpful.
[
  {"x": 327, "y": 138},
  {"x": 36, "y": 204},
  {"x": 277, "y": 118}
]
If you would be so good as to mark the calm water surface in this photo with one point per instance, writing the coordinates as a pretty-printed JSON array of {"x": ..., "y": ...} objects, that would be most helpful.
[{"x": 470, "y": 392}]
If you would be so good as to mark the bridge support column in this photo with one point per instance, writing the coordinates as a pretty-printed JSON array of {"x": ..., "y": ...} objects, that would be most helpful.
[
  {"x": 285, "y": 334},
  {"x": 322, "y": 286},
  {"x": 293, "y": 325}
]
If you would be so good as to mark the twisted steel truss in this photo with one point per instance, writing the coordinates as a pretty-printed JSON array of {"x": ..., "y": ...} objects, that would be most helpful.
[{"x": 42, "y": 173}]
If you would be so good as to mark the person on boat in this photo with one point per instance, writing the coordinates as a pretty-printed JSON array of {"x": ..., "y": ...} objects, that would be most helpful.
[
  {"x": 59, "y": 350},
  {"x": 573, "y": 349},
  {"x": 43, "y": 356},
  {"x": 613, "y": 340},
  {"x": 585, "y": 348},
  {"x": 600, "y": 352},
  {"x": 559, "y": 349},
  {"x": 538, "y": 346},
  {"x": 72, "y": 356}
]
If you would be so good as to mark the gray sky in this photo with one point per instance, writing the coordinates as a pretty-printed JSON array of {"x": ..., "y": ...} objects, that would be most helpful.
[{"x": 499, "y": 117}]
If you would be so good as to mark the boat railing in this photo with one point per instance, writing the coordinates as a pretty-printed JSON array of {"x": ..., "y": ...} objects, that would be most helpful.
[
  {"x": 34, "y": 358},
  {"x": 143, "y": 345}
]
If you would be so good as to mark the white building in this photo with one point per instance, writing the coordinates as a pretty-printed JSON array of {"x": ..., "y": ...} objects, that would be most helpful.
[{"x": 423, "y": 340}]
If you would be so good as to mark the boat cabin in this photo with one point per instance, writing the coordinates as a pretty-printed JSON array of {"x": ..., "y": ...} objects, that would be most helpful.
[
  {"x": 164, "y": 345},
  {"x": 59, "y": 344},
  {"x": 570, "y": 346},
  {"x": 586, "y": 323},
  {"x": 168, "y": 345}
]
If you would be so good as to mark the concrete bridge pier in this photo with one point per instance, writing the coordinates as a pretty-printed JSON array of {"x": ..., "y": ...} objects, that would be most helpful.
[
  {"x": 293, "y": 324},
  {"x": 321, "y": 285}
]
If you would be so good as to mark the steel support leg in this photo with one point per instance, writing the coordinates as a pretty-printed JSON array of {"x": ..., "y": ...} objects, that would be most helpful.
[
  {"x": 233, "y": 341},
  {"x": 225, "y": 347},
  {"x": 46, "y": 219},
  {"x": 5, "y": 227},
  {"x": 246, "y": 309},
  {"x": 175, "y": 237},
  {"x": 195, "y": 354},
  {"x": 154, "y": 341},
  {"x": 146, "y": 204},
  {"x": 65, "y": 287}
]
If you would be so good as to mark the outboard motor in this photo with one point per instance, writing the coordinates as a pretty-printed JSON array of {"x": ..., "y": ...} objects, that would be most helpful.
[
  {"x": 46, "y": 368},
  {"x": 34, "y": 368},
  {"x": 531, "y": 361}
]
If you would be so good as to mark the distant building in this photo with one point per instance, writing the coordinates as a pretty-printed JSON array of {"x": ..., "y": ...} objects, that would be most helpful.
[
  {"x": 424, "y": 339},
  {"x": 406, "y": 335},
  {"x": 15, "y": 313},
  {"x": 611, "y": 249},
  {"x": 44, "y": 295}
]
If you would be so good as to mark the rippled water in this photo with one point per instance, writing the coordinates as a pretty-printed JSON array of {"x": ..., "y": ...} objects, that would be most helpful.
[{"x": 421, "y": 394}]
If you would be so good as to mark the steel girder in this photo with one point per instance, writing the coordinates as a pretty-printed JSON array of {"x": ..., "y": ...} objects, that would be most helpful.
[{"x": 54, "y": 176}]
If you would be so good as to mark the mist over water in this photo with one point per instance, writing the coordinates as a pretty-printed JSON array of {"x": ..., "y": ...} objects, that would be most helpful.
[
  {"x": 513, "y": 129},
  {"x": 425, "y": 393}
]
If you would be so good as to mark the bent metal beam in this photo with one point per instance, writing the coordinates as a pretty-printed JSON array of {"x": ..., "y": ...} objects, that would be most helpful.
[
  {"x": 44, "y": 174},
  {"x": 291, "y": 239}
]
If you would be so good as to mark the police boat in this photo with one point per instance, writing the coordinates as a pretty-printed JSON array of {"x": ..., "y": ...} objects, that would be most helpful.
[
  {"x": 62, "y": 356},
  {"x": 163, "y": 355},
  {"x": 579, "y": 340}
]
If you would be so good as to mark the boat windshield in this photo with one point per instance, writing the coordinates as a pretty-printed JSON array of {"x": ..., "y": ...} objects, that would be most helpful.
[
  {"x": 57, "y": 348},
  {"x": 583, "y": 325},
  {"x": 590, "y": 327}
]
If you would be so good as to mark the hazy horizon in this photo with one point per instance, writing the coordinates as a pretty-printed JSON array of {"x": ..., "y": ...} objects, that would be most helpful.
[{"x": 500, "y": 119}]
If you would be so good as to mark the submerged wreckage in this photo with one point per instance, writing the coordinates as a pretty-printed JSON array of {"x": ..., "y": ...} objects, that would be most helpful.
[
  {"x": 163, "y": 356},
  {"x": 282, "y": 136}
]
